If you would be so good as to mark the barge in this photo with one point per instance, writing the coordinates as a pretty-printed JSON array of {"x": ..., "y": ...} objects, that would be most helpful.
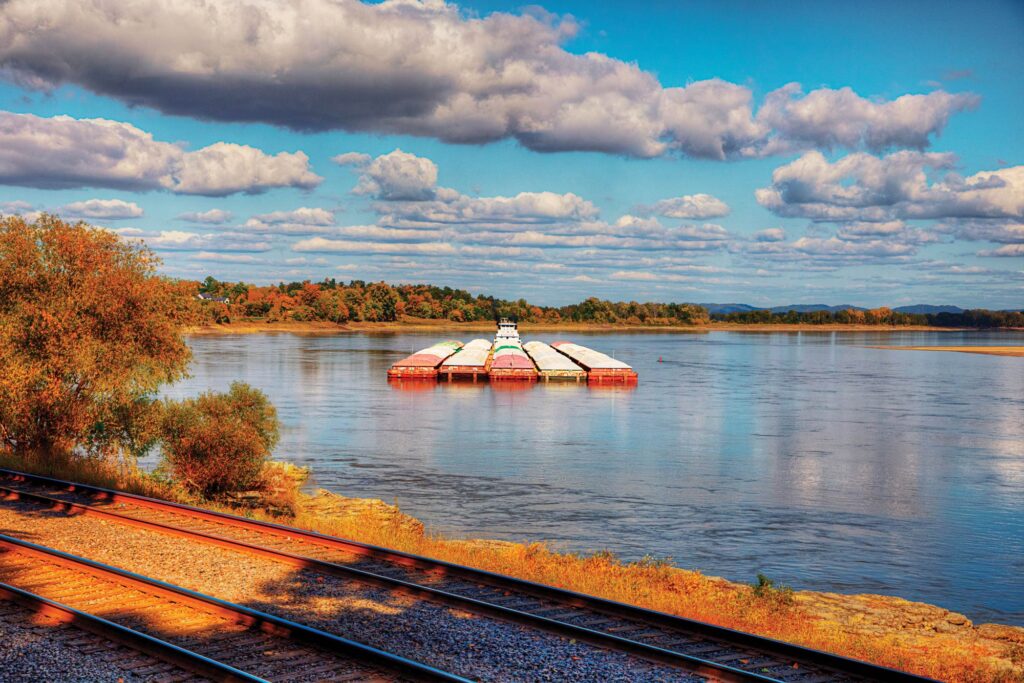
[
  {"x": 552, "y": 365},
  {"x": 469, "y": 362},
  {"x": 601, "y": 368},
  {"x": 424, "y": 363},
  {"x": 508, "y": 360}
]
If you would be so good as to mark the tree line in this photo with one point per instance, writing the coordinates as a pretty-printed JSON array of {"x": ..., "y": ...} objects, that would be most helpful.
[
  {"x": 974, "y": 318},
  {"x": 339, "y": 302},
  {"x": 357, "y": 300}
]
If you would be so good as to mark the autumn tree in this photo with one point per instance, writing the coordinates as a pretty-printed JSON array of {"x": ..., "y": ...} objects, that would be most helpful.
[
  {"x": 219, "y": 442},
  {"x": 88, "y": 332}
]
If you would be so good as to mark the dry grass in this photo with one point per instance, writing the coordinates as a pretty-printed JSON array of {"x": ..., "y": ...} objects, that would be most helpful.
[
  {"x": 660, "y": 586},
  {"x": 647, "y": 583}
]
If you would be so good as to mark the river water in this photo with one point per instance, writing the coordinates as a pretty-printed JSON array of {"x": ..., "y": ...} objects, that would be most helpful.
[{"x": 809, "y": 457}]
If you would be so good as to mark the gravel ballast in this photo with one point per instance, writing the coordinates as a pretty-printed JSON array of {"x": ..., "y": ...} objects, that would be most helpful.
[
  {"x": 462, "y": 643},
  {"x": 34, "y": 649}
]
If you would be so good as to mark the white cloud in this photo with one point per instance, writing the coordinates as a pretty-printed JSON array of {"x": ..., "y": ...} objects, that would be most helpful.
[
  {"x": 427, "y": 69},
  {"x": 324, "y": 245},
  {"x": 1006, "y": 232},
  {"x": 869, "y": 188},
  {"x": 352, "y": 159},
  {"x": 227, "y": 258},
  {"x": 398, "y": 176},
  {"x": 303, "y": 215},
  {"x": 15, "y": 207},
  {"x": 1007, "y": 250},
  {"x": 525, "y": 208},
  {"x": 64, "y": 152},
  {"x": 770, "y": 235},
  {"x": 691, "y": 206},
  {"x": 109, "y": 209},
  {"x": 834, "y": 246},
  {"x": 405, "y": 186},
  {"x": 827, "y": 118},
  {"x": 181, "y": 240},
  {"x": 211, "y": 217}
]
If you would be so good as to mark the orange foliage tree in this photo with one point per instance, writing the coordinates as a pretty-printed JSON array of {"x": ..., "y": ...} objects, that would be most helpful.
[{"x": 88, "y": 332}]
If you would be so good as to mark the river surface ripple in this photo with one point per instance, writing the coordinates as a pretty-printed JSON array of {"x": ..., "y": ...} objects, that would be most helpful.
[{"x": 809, "y": 457}]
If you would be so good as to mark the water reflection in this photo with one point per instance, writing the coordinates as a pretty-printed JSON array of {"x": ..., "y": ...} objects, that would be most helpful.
[{"x": 808, "y": 456}]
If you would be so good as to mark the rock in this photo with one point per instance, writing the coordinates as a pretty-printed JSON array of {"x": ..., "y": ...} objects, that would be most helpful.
[
  {"x": 1010, "y": 634},
  {"x": 324, "y": 503},
  {"x": 244, "y": 496},
  {"x": 958, "y": 619}
]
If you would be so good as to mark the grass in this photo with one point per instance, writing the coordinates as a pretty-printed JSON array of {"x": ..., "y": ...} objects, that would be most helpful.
[{"x": 763, "y": 608}]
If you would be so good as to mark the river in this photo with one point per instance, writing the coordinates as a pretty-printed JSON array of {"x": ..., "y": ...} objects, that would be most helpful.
[{"x": 806, "y": 456}]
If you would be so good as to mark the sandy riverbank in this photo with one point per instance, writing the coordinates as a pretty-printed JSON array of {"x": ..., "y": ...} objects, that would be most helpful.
[
  {"x": 984, "y": 350},
  {"x": 426, "y": 325}
]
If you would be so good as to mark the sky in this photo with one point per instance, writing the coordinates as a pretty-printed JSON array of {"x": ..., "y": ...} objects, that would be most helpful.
[{"x": 765, "y": 153}]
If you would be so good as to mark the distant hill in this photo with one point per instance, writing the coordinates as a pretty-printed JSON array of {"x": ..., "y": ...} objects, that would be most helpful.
[
  {"x": 928, "y": 308},
  {"x": 799, "y": 308},
  {"x": 729, "y": 308},
  {"x": 810, "y": 308}
]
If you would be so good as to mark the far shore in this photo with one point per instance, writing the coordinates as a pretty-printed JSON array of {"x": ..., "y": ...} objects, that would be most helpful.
[
  {"x": 424, "y": 325},
  {"x": 983, "y": 350}
]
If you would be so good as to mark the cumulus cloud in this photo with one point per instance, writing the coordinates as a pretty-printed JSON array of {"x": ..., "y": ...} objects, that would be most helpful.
[
  {"x": 64, "y": 152},
  {"x": 352, "y": 159},
  {"x": 827, "y": 118},
  {"x": 1007, "y": 250},
  {"x": 303, "y": 215},
  {"x": 398, "y": 176},
  {"x": 522, "y": 209},
  {"x": 1004, "y": 232},
  {"x": 869, "y": 188},
  {"x": 301, "y": 221},
  {"x": 422, "y": 68},
  {"x": 226, "y": 258},
  {"x": 770, "y": 235},
  {"x": 17, "y": 206},
  {"x": 108, "y": 209},
  {"x": 181, "y": 240},
  {"x": 405, "y": 187},
  {"x": 211, "y": 217},
  {"x": 691, "y": 206}
]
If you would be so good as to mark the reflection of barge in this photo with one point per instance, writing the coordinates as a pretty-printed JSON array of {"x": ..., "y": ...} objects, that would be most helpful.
[{"x": 509, "y": 359}]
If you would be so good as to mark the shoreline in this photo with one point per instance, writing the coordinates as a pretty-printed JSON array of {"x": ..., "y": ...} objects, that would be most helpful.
[
  {"x": 912, "y": 636},
  {"x": 422, "y": 325},
  {"x": 1011, "y": 351}
]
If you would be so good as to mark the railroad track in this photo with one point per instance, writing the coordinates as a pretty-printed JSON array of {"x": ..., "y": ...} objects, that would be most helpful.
[
  {"x": 211, "y": 637},
  {"x": 73, "y": 643},
  {"x": 711, "y": 651}
]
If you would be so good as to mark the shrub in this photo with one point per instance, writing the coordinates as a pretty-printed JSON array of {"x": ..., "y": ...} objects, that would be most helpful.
[
  {"x": 280, "y": 484},
  {"x": 216, "y": 442},
  {"x": 767, "y": 589}
]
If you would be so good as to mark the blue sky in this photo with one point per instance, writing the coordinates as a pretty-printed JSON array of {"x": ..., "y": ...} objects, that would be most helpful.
[{"x": 641, "y": 151}]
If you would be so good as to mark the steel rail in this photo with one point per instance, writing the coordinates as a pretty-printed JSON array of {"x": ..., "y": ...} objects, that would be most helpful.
[
  {"x": 771, "y": 646},
  {"x": 246, "y": 616},
  {"x": 705, "y": 667},
  {"x": 136, "y": 640}
]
